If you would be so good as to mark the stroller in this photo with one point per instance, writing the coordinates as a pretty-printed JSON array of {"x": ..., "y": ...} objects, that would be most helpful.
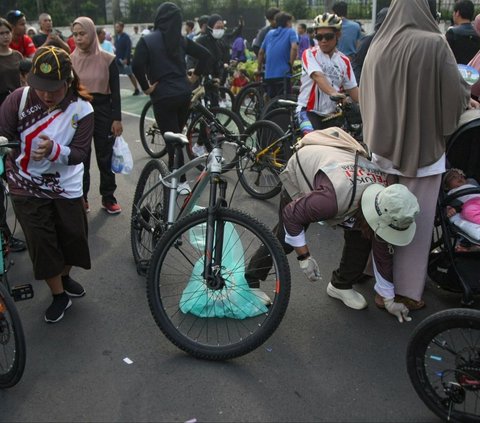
[{"x": 449, "y": 267}]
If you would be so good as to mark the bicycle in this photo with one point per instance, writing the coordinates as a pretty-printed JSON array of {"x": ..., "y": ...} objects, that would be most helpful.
[
  {"x": 12, "y": 338},
  {"x": 443, "y": 363},
  {"x": 197, "y": 280},
  {"x": 151, "y": 137}
]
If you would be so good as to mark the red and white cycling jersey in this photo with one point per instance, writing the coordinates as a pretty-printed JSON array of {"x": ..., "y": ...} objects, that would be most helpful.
[{"x": 337, "y": 70}]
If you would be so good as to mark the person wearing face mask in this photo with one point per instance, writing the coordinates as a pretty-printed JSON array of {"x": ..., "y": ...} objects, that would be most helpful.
[
  {"x": 212, "y": 41},
  {"x": 53, "y": 119}
]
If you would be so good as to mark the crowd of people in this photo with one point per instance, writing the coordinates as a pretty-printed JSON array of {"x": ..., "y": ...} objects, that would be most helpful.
[{"x": 60, "y": 93}]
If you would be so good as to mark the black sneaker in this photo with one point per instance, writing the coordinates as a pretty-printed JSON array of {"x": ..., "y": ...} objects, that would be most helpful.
[
  {"x": 71, "y": 287},
  {"x": 136, "y": 92},
  {"x": 16, "y": 245},
  {"x": 57, "y": 309}
]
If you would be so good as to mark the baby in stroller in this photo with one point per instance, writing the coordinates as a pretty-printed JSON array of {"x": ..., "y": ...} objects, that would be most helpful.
[{"x": 465, "y": 212}]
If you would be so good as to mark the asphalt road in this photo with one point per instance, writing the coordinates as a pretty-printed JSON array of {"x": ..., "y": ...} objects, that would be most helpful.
[{"x": 324, "y": 363}]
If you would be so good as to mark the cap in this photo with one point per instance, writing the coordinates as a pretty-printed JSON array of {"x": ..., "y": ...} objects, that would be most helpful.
[
  {"x": 51, "y": 67},
  {"x": 14, "y": 16},
  {"x": 390, "y": 212}
]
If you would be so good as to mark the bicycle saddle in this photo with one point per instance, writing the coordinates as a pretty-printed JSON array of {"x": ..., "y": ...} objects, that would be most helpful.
[{"x": 174, "y": 138}]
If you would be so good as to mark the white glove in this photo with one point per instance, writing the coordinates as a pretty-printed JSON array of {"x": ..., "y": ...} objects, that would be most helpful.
[
  {"x": 310, "y": 268},
  {"x": 4, "y": 150},
  {"x": 399, "y": 310}
]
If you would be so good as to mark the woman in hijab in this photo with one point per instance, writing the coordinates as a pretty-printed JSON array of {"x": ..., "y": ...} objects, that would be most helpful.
[
  {"x": 160, "y": 68},
  {"x": 99, "y": 74},
  {"x": 411, "y": 97}
]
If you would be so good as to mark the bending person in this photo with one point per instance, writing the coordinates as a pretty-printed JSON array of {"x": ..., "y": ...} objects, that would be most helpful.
[{"x": 330, "y": 179}]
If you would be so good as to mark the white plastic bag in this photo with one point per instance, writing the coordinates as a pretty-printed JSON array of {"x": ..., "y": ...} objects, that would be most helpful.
[{"x": 122, "y": 161}]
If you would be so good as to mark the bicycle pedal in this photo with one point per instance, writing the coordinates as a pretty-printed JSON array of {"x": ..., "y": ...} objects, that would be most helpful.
[
  {"x": 22, "y": 292},
  {"x": 142, "y": 267}
]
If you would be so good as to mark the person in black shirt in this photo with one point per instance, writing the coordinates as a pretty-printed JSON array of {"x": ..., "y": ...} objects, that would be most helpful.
[
  {"x": 462, "y": 38},
  {"x": 160, "y": 68}
]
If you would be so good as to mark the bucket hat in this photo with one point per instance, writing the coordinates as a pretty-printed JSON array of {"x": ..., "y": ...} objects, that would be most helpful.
[
  {"x": 51, "y": 67},
  {"x": 390, "y": 212}
]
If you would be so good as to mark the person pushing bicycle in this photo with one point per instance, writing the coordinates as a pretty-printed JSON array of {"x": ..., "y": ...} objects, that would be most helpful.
[{"x": 330, "y": 179}]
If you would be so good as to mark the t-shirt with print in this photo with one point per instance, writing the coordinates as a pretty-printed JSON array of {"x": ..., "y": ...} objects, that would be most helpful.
[
  {"x": 25, "y": 46},
  {"x": 337, "y": 70},
  {"x": 277, "y": 45}
]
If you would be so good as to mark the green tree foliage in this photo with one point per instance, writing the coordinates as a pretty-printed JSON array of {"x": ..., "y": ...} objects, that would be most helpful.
[{"x": 297, "y": 8}]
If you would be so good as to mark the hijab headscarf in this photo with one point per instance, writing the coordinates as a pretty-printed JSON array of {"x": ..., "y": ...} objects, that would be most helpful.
[
  {"x": 168, "y": 21},
  {"x": 411, "y": 92},
  {"x": 92, "y": 63}
]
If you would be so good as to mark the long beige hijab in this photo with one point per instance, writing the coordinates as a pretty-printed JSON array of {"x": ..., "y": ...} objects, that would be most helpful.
[
  {"x": 92, "y": 63},
  {"x": 411, "y": 93}
]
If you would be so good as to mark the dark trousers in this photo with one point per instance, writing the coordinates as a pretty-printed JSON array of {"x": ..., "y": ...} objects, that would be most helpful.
[
  {"x": 3, "y": 212},
  {"x": 103, "y": 141},
  {"x": 277, "y": 86},
  {"x": 171, "y": 115},
  {"x": 354, "y": 256}
]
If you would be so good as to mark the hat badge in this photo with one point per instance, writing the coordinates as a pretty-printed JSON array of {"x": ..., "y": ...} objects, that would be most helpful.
[{"x": 45, "y": 68}]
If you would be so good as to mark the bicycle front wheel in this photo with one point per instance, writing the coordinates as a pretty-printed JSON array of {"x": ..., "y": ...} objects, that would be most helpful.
[
  {"x": 150, "y": 135},
  {"x": 443, "y": 362},
  {"x": 240, "y": 308},
  {"x": 249, "y": 104},
  {"x": 259, "y": 167},
  {"x": 149, "y": 218},
  {"x": 12, "y": 342}
]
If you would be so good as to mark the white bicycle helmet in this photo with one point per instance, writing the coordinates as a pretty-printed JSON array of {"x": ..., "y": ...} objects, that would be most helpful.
[{"x": 328, "y": 20}]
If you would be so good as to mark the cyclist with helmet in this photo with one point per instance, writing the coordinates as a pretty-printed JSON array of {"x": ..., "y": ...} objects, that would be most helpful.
[{"x": 326, "y": 72}]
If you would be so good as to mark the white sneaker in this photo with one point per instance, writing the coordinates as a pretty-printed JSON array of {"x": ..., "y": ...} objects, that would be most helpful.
[
  {"x": 264, "y": 298},
  {"x": 184, "y": 188},
  {"x": 199, "y": 150},
  {"x": 349, "y": 297}
]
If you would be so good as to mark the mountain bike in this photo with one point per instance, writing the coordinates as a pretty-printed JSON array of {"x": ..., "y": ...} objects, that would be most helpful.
[
  {"x": 198, "y": 287},
  {"x": 12, "y": 339},
  {"x": 443, "y": 362}
]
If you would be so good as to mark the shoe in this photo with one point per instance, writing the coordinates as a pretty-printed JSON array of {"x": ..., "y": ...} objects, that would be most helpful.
[
  {"x": 16, "y": 245},
  {"x": 86, "y": 205},
  {"x": 111, "y": 207},
  {"x": 72, "y": 287},
  {"x": 264, "y": 298},
  {"x": 411, "y": 304},
  {"x": 136, "y": 92},
  {"x": 199, "y": 150},
  {"x": 184, "y": 188},
  {"x": 349, "y": 297},
  {"x": 57, "y": 309}
]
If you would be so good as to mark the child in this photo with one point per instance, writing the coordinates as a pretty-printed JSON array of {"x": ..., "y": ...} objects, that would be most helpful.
[{"x": 239, "y": 80}]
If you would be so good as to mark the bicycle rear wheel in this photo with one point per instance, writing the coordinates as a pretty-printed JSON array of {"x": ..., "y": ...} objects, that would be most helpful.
[
  {"x": 249, "y": 104},
  {"x": 258, "y": 170},
  {"x": 230, "y": 319},
  {"x": 152, "y": 139},
  {"x": 443, "y": 362},
  {"x": 12, "y": 341},
  {"x": 149, "y": 218},
  {"x": 199, "y": 134}
]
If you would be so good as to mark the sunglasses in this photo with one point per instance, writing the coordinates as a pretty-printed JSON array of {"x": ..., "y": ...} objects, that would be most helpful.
[{"x": 329, "y": 36}]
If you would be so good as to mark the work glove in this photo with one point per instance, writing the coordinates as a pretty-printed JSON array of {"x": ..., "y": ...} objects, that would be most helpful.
[
  {"x": 399, "y": 310},
  {"x": 310, "y": 268},
  {"x": 4, "y": 150}
]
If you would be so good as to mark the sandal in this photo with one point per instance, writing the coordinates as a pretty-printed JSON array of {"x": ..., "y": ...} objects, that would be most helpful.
[{"x": 411, "y": 304}]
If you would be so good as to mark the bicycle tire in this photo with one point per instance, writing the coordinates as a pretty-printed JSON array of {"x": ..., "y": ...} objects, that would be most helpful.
[
  {"x": 273, "y": 104},
  {"x": 438, "y": 351},
  {"x": 211, "y": 337},
  {"x": 197, "y": 129},
  {"x": 13, "y": 353},
  {"x": 153, "y": 210},
  {"x": 249, "y": 104},
  {"x": 152, "y": 139},
  {"x": 258, "y": 175}
]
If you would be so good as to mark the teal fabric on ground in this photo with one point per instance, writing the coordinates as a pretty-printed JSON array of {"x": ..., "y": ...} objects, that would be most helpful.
[{"x": 235, "y": 300}]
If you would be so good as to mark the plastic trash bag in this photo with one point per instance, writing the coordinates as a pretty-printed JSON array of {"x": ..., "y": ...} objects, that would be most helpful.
[
  {"x": 235, "y": 300},
  {"x": 122, "y": 161}
]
